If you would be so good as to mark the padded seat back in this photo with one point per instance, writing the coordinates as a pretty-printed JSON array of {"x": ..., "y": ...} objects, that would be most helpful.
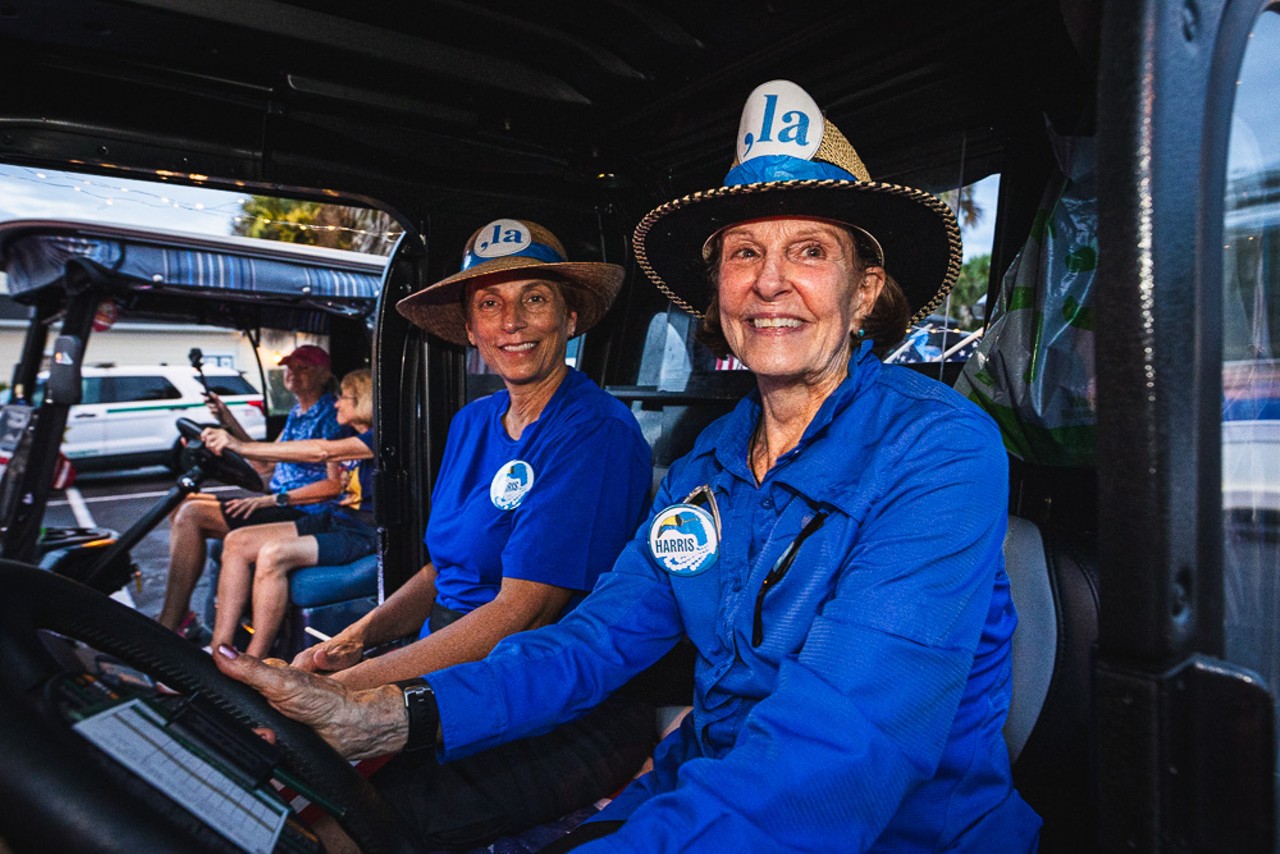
[
  {"x": 1035, "y": 643},
  {"x": 1054, "y": 583}
]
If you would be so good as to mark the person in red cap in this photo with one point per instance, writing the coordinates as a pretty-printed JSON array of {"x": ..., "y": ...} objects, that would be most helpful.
[{"x": 202, "y": 516}]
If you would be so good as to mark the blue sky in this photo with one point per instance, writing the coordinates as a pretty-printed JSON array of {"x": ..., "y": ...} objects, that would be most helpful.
[
  {"x": 978, "y": 239},
  {"x": 30, "y": 193}
]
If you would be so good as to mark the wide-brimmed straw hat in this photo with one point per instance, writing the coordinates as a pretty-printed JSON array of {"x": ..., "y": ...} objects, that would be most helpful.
[
  {"x": 792, "y": 162},
  {"x": 502, "y": 246}
]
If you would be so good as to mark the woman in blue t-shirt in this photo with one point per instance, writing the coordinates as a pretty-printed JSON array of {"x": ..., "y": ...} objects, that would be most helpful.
[
  {"x": 541, "y": 485},
  {"x": 259, "y": 558}
]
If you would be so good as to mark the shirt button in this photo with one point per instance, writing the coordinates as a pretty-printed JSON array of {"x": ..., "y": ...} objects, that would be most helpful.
[{"x": 766, "y": 503}]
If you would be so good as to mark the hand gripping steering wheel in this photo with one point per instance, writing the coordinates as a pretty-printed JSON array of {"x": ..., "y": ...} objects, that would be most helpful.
[
  {"x": 228, "y": 467},
  {"x": 59, "y": 792}
]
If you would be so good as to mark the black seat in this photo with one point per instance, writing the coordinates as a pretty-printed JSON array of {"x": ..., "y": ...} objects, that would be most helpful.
[{"x": 1054, "y": 583}]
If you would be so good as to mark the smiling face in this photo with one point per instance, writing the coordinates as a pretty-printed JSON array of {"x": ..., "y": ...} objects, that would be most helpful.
[
  {"x": 791, "y": 291},
  {"x": 520, "y": 326}
]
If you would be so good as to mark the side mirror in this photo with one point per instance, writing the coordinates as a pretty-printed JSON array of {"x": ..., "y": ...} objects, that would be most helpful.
[{"x": 63, "y": 387}]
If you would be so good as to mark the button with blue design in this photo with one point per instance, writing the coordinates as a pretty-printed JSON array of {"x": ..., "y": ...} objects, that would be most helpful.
[
  {"x": 683, "y": 540},
  {"x": 511, "y": 484}
]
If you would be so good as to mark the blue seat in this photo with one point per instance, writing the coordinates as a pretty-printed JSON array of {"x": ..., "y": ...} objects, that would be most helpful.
[{"x": 325, "y": 598}]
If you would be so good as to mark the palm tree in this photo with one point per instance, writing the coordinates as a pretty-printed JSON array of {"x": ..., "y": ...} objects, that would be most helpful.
[{"x": 316, "y": 223}]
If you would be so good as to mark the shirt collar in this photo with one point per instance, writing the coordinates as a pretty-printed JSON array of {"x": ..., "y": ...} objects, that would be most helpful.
[{"x": 809, "y": 476}]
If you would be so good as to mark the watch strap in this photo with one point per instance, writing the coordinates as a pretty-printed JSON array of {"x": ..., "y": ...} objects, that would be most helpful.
[{"x": 424, "y": 714}]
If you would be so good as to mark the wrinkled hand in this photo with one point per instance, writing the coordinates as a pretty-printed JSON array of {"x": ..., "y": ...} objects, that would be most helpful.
[
  {"x": 357, "y": 724},
  {"x": 217, "y": 440},
  {"x": 239, "y": 507},
  {"x": 330, "y": 656}
]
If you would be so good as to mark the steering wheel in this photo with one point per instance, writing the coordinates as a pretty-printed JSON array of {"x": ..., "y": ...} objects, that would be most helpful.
[
  {"x": 228, "y": 467},
  {"x": 60, "y": 792}
]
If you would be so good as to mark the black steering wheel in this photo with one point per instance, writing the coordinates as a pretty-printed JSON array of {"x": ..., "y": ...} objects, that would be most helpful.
[
  {"x": 59, "y": 792},
  {"x": 228, "y": 467}
]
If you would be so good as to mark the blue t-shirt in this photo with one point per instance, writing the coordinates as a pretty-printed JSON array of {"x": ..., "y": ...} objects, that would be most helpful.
[
  {"x": 554, "y": 506},
  {"x": 866, "y": 712},
  {"x": 318, "y": 422}
]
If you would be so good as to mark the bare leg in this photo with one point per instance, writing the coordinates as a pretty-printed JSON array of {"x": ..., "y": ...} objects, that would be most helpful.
[
  {"x": 239, "y": 552},
  {"x": 197, "y": 518},
  {"x": 276, "y": 560}
]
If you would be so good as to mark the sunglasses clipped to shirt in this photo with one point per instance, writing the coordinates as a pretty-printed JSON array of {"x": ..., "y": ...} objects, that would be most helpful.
[{"x": 705, "y": 496}]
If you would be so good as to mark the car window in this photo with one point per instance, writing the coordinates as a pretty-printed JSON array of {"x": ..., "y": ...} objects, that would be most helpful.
[
  {"x": 1251, "y": 359},
  {"x": 229, "y": 385},
  {"x": 123, "y": 389},
  {"x": 952, "y": 332},
  {"x": 90, "y": 390}
]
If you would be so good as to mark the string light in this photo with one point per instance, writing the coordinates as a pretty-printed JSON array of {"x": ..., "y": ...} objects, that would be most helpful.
[{"x": 105, "y": 192}]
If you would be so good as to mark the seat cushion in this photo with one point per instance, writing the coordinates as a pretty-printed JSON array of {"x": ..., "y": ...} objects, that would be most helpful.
[{"x": 321, "y": 585}]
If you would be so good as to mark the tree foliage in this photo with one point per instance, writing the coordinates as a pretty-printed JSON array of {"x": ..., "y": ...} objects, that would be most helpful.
[
  {"x": 970, "y": 287},
  {"x": 317, "y": 224}
]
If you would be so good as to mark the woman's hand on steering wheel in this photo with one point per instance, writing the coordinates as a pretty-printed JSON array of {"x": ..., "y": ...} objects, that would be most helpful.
[
  {"x": 357, "y": 724},
  {"x": 217, "y": 439}
]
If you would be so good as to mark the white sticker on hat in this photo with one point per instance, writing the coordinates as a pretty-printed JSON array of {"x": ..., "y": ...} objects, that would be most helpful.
[
  {"x": 683, "y": 540},
  {"x": 500, "y": 238},
  {"x": 779, "y": 118},
  {"x": 511, "y": 484}
]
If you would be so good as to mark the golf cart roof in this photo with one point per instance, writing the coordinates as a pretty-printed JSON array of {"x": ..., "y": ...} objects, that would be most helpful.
[
  {"x": 462, "y": 112},
  {"x": 227, "y": 281}
]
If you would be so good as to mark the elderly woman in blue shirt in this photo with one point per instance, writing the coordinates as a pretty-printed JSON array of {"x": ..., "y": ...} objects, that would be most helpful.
[{"x": 832, "y": 548}]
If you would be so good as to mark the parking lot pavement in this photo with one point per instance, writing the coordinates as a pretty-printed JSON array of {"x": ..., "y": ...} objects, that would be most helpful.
[{"x": 117, "y": 500}]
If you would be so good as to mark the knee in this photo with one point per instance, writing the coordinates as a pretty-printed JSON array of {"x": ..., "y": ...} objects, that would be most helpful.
[
  {"x": 235, "y": 547},
  {"x": 272, "y": 560},
  {"x": 196, "y": 515}
]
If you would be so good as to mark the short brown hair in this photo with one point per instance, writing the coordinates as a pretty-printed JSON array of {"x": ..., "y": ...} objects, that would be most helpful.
[{"x": 885, "y": 325}]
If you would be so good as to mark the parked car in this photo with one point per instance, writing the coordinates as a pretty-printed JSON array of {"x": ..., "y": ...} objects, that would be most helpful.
[{"x": 126, "y": 413}]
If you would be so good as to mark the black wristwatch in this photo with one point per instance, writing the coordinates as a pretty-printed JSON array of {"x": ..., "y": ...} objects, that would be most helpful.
[
  {"x": 282, "y": 499},
  {"x": 424, "y": 714}
]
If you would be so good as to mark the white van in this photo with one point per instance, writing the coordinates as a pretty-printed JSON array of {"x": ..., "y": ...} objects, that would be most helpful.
[{"x": 126, "y": 414}]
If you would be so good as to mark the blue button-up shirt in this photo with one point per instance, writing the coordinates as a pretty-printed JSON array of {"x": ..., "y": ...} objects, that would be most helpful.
[
  {"x": 869, "y": 717},
  {"x": 320, "y": 421}
]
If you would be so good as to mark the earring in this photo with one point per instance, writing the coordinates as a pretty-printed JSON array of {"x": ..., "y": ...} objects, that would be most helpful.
[{"x": 862, "y": 333}]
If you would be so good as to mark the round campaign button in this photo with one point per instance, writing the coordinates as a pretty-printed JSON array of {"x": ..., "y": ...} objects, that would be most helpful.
[
  {"x": 500, "y": 238},
  {"x": 683, "y": 540},
  {"x": 511, "y": 484}
]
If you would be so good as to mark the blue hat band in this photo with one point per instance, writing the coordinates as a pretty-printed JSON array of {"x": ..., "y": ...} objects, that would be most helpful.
[
  {"x": 782, "y": 167},
  {"x": 539, "y": 251}
]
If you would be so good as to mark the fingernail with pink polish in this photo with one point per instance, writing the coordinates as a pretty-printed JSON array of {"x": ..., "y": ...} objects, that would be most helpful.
[{"x": 228, "y": 651}]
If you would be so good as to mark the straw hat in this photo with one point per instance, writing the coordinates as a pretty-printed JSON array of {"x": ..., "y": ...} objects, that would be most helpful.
[
  {"x": 792, "y": 162},
  {"x": 500, "y": 247}
]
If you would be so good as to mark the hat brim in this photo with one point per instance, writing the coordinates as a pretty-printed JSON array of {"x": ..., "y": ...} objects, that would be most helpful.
[
  {"x": 917, "y": 230},
  {"x": 437, "y": 308}
]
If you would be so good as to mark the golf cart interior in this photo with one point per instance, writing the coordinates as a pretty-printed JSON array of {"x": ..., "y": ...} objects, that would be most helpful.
[{"x": 1132, "y": 267}]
